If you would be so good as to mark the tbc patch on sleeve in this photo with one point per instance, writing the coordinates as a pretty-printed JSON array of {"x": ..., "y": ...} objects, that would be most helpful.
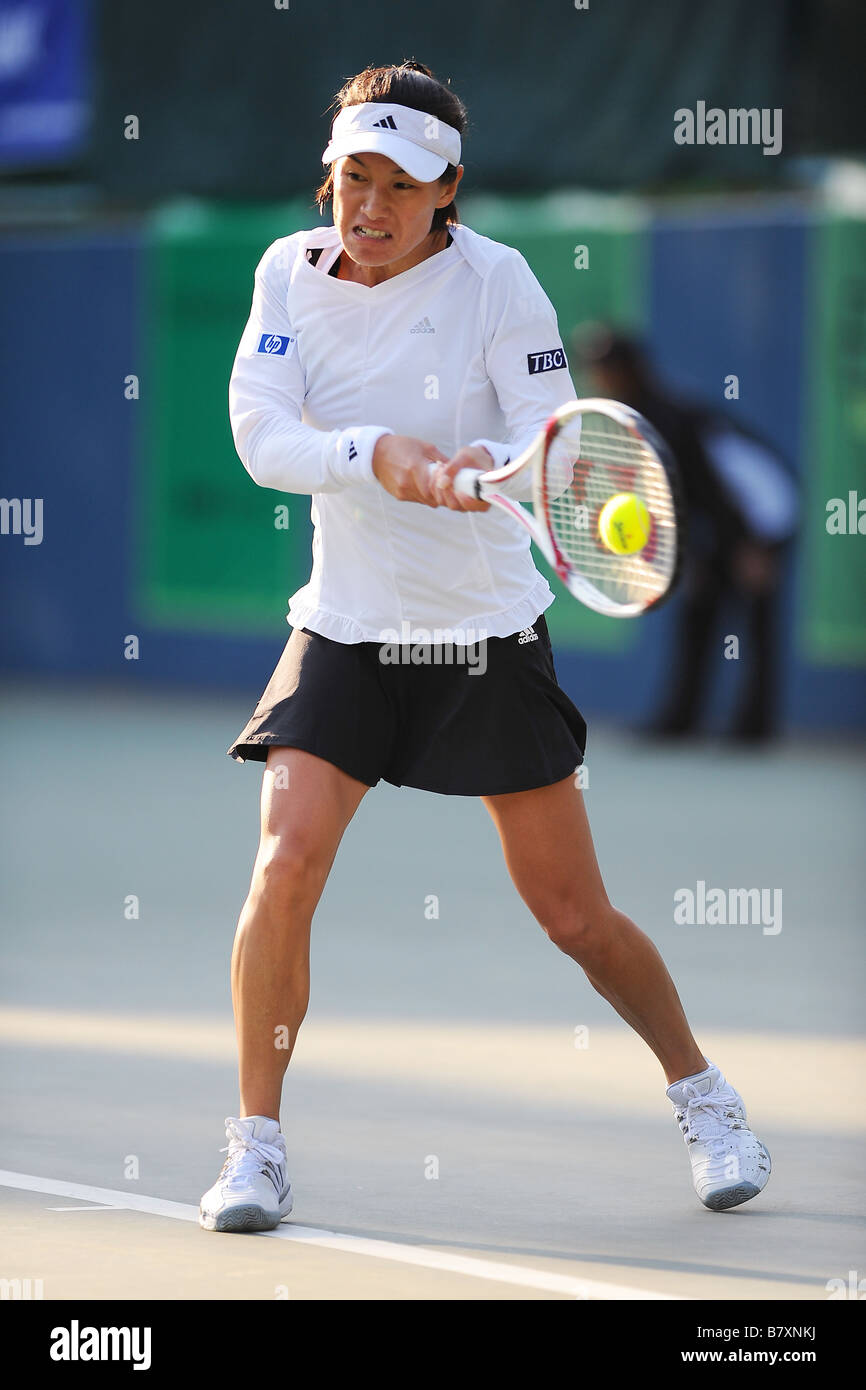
[{"x": 545, "y": 361}]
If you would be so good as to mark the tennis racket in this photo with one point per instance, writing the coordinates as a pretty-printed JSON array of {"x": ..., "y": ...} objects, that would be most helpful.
[{"x": 588, "y": 452}]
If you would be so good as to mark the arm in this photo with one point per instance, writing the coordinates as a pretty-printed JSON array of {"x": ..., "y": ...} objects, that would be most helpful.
[
  {"x": 526, "y": 364},
  {"x": 266, "y": 395}
]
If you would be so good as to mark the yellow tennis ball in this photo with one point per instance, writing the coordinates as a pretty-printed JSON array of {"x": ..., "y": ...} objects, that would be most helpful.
[{"x": 624, "y": 524}]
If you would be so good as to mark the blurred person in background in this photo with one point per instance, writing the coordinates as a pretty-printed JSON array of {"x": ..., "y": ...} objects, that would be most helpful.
[{"x": 741, "y": 506}]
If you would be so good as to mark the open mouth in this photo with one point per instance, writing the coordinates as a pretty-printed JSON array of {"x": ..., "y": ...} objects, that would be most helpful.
[{"x": 370, "y": 233}]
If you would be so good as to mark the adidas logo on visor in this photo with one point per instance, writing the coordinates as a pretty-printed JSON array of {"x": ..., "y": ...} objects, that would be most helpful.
[{"x": 440, "y": 141}]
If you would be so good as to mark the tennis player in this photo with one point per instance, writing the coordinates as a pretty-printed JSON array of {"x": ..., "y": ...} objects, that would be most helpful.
[{"x": 394, "y": 339}]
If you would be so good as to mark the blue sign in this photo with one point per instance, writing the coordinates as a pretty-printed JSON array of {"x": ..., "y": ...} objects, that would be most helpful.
[{"x": 44, "y": 106}]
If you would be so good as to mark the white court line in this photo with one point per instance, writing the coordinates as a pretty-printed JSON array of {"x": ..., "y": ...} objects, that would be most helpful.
[
  {"x": 472, "y": 1266},
  {"x": 102, "y": 1208}
]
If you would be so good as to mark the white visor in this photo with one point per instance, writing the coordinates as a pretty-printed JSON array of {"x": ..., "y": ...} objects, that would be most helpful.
[{"x": 422, "y": 145}]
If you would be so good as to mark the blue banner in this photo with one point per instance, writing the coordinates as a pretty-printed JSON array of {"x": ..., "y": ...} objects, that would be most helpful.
[{"x": 44, "y": 107}]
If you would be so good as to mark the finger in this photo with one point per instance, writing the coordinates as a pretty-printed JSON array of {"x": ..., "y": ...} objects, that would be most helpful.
[
  {"x": 451, "y": 467},
  {"x": 426, "y": 478},
  {"x": 459, "y": 501},
  {"x": 440, "y": 488},
  {"x": 432, "y": 456},
  {"x": 466, "y": 503},
  {"x": 471, "y": 456},
  {"x": 472, "y": 504},
  {"x": 443, "y": 482},
  {"x": 452, "y": 499},
  {"x": 466, "y": 458}
]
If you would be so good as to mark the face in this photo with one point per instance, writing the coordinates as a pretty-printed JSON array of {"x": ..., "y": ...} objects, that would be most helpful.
[
  {"x": 382, "y": 215},
  {"x": 613, "y": 381}
]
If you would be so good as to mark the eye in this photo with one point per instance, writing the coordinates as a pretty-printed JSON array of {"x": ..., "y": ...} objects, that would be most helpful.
[{"x": 404, "y": 185}]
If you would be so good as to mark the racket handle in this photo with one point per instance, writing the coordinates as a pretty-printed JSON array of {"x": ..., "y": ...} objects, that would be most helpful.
[{"x": 465, "y": 482}]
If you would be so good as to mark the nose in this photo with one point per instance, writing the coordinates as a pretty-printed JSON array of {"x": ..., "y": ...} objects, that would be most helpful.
[{"x": 375, "y": 204}]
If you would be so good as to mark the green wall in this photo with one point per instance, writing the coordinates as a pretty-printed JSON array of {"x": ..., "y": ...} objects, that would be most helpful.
[
  {"x": 834, "y": 602},
  {"x": 209, "y": 554}
]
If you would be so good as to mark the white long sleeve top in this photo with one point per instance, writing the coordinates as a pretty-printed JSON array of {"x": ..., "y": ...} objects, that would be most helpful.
[{"x": 463, "y": 348}]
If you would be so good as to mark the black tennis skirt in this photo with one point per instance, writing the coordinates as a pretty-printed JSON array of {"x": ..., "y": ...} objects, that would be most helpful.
[{"x": 463, "y": 721}]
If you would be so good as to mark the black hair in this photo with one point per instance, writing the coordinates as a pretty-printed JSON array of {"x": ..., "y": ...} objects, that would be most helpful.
[{"x": 599, "y": 344}]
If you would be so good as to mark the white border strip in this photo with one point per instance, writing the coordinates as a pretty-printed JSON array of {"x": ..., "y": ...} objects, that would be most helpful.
[{"x": 497, "y": 1271}]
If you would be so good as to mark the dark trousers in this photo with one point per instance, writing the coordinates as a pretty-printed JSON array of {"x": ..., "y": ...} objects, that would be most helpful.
[{"x": 708, "y": 583}]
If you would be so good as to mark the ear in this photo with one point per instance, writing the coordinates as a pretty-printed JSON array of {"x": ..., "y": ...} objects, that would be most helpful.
[{"x": 449, "y": 189}]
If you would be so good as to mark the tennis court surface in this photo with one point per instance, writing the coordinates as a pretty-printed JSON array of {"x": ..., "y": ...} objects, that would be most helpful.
[{"x": 465, "y": 1118}]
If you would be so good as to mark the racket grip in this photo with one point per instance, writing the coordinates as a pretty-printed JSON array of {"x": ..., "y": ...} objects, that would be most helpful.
[{"x": 465, "y": 482}]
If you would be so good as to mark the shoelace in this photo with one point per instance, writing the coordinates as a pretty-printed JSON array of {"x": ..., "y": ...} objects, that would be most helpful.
[
  {"x": 247, "y": 1155},
  {"x": 708, "y": 1118}
]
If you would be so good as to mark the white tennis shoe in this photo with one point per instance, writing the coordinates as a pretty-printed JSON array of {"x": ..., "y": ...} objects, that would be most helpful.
[
  {"x": 252, "y": 1193},
  {"x": 729, "y": 1163}
]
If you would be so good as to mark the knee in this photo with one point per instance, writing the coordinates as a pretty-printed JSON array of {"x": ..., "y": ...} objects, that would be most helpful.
[
  {"x": 581, "y": 930},
  {"x": 289, "y": 872}
]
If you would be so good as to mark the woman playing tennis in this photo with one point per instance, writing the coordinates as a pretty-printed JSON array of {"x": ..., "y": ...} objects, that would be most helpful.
[{"x": 396, "y": 339}]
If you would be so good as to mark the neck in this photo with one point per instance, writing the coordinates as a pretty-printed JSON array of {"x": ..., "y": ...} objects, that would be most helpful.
[{"x": 375, "y": 275}]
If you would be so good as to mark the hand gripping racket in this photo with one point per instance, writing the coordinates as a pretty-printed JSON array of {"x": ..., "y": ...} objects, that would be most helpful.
[{"x": 588, "y": 452}]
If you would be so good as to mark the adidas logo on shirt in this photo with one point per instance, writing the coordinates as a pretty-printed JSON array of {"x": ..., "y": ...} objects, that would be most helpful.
[
  {"x": 387, "y": 122},
  {"x": 423, "y": 326},
  {"x": 527, "y": 634}
]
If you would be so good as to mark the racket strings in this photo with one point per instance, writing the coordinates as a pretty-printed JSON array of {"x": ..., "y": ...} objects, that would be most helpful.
[{"x": 588, "y": 462}]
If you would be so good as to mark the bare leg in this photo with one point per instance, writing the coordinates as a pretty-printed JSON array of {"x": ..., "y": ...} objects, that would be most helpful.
[
  {"x": 305, "y": 810},
  {"x": 550, "y": 855}
]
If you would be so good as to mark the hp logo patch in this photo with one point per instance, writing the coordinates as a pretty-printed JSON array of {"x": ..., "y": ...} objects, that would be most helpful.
[{"x": 274, "y": 345}]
